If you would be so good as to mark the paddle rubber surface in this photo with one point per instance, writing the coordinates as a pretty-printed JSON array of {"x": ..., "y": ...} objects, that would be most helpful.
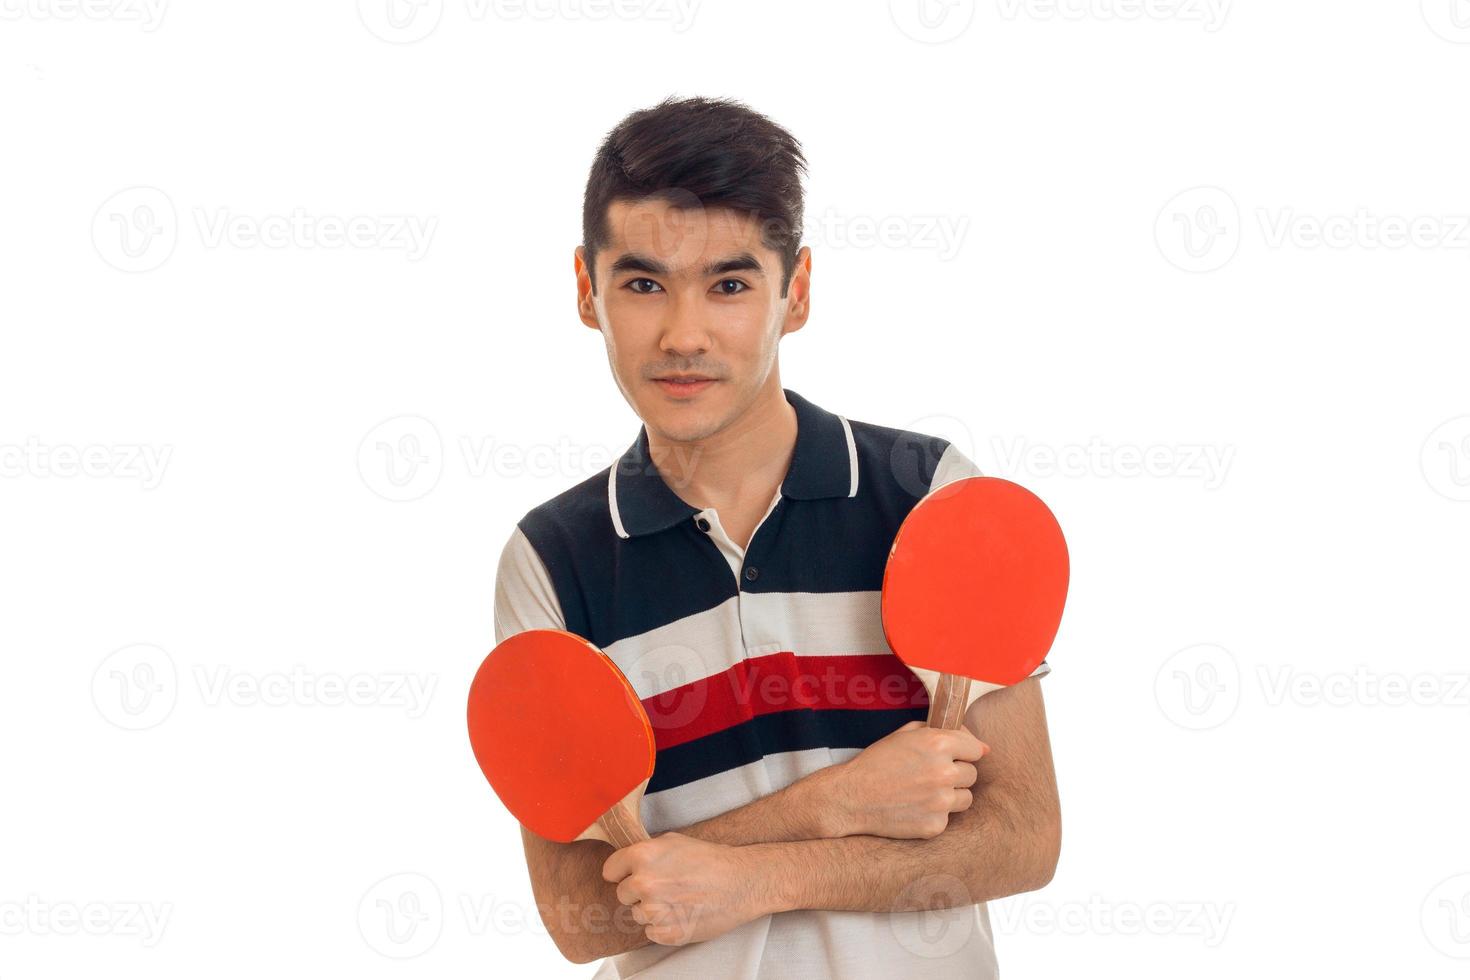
[
  {"x": 558, "y": 731},
  {"x": 975, "y": 582}
]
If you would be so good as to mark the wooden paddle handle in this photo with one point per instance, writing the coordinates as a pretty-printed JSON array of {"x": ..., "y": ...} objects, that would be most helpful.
[
  {"x": 947, "y": 706},
  {"x": 622, "y": 825}
]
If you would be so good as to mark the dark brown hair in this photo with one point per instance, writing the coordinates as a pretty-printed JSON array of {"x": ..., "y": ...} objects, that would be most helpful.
[{"x": 720, "y": 152}]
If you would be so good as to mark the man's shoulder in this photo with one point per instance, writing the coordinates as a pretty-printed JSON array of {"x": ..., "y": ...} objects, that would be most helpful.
[
  {"x": 579, "y": 512},
  {"x": 876, "y": 435},
  {"x": 906, "y": 460}
]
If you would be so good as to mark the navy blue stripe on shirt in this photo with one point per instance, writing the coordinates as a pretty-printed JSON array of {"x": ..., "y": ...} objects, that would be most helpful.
[{"x": 786, "y": 731}]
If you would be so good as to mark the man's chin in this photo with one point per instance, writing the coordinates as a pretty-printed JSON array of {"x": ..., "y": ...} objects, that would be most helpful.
[{"x": 682, "y": 423}]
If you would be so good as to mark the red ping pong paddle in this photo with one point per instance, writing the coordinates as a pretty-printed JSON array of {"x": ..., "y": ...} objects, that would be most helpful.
[
  {"x": 973, "y": 590},
  {"x": 562, "y": 737}
]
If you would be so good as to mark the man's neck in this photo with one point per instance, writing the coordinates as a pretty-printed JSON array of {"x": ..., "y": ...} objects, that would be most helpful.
[{"x": 743, "y": 463}]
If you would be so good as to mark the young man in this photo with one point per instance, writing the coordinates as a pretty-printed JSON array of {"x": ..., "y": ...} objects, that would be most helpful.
[{"x": 806, "y": 824}]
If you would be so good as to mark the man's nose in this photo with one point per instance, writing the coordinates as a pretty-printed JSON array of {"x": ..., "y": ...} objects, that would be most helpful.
[{"x": 685, "y": 331}]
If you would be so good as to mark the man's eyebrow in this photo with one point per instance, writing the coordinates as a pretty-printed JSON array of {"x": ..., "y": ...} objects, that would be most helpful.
[
  {"x": 637, "y": 262},
  {"x": 743, "y": 262}
]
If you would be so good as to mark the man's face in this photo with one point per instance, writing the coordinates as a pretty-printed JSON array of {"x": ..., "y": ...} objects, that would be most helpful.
[{"x": 690, "y": 291}]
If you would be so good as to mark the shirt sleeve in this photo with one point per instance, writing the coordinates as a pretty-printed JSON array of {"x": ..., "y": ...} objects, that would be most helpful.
[
  {"x": 955, "y": 465},
  {"x": 525, "y": 599}
]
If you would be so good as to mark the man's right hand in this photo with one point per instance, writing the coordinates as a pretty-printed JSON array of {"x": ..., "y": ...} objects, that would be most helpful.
[{"x": 906, "y": 784}]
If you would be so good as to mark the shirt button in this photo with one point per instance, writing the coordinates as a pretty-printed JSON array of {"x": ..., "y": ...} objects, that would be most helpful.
[
  {"x": 752, "y": 573},
  {"x": 701, "y": 523}
]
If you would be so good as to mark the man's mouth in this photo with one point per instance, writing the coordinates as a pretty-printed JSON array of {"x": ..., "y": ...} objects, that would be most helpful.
[{"x": 684, "y": 385}]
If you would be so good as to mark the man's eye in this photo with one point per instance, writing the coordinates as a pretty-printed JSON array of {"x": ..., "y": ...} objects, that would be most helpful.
[
  {"x": 633, "y": 285},
  {"x": 732, "y": 292}
]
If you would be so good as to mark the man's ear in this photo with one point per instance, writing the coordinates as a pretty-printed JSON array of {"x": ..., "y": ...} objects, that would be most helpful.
[
  {"x": 586, "y": 301},
  {"x": 799, "y": 293}
]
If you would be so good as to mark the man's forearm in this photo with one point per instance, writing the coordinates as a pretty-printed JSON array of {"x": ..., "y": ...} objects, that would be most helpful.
[
  {"x": 982, "y": 855},
  {"x": 582, "y": 911},
  {"x": 1007, "y": 842},
  {"x": 988, "y": 851},
  {"x": 685, "y": 890},
  {"x": 801, "y": 811},
  {"x": 790, "y": 852}
]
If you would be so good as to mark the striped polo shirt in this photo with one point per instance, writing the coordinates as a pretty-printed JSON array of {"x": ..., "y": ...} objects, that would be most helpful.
[{"x": 757, "y": 667}]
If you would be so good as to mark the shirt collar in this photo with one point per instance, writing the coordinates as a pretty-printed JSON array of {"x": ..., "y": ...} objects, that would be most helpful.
[{"x": 823, "y": 464}]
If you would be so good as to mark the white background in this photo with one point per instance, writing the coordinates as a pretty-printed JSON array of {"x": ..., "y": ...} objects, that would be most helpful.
[{"x": 1073, "y": 237}]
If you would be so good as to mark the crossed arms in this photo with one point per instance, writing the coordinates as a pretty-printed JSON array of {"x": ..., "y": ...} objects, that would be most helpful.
[{"x": 920, "y": 819}]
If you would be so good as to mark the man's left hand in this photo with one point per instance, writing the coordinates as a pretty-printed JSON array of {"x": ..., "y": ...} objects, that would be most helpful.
[{"x": 685, "y": 890}]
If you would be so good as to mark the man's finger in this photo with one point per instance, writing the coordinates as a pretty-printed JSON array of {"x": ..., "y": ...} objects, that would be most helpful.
[
  {"x": 651, "y": 913},
  {"x": 627, "y": 893},
  {"x": 620, "y": 864},
  {"x": 964, "y": 745},
  {"x": 974, "y": 748}
]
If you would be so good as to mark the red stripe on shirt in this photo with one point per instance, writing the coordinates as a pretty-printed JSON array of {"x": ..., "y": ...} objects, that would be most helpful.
[{"x": 781, "y": 682}]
